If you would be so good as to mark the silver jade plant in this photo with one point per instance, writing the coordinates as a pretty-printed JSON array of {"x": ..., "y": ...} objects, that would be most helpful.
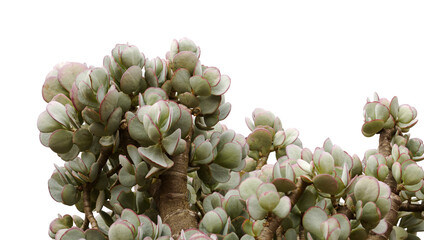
[{"x": 146, "y": 157}]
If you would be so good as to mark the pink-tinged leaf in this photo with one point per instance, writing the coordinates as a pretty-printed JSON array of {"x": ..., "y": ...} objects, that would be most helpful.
[
  {"x": 58, "y": 112},
  {"x": 68, "y": 73},
  {"x": 155, "y": 157},
  {"x": 222, "y": 87},
  {"x": 51, "y": 88},
  {"x": 255, "y": 210},
  {"x": 109, "y": 103},
  {"x": 213, "y": 76},
  {"x": 170, "y": 142}
]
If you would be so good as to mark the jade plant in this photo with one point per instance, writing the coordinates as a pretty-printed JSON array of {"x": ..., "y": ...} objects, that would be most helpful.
[{"x": 146, "y": 157}]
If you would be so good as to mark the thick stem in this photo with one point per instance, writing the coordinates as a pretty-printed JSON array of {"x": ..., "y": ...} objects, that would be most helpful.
[
  {"x": 274, "y": 222},
  {"x": 261, "y": 162},
  {"x": 385, "y": 148},
  {"x": 173, "y": 200},
  {"x": 87, "y": 209}
]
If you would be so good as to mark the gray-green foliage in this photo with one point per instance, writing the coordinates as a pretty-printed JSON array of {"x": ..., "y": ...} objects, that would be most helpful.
[{"x": 145, "y": 111}]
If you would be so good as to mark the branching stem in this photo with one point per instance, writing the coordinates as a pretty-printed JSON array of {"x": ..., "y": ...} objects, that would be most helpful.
[{"x": 273, "y": 221}]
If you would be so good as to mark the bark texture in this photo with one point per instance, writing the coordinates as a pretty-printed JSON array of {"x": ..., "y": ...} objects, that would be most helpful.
[{"x": 172, "y": 195}]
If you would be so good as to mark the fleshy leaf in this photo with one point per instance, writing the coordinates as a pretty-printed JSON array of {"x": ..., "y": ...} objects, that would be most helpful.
[
  {"x": 254, "y": 208},
  {"x": 283, "y": 208},
  {"x": 312, "y": 220},
  {"x": 60, "y": 141},
  {"x": 326, "y": 183},
  {"x": 230, "y": 155},
  {"x": 154, "y": 156},
  {"x": 170, "y": 143}
]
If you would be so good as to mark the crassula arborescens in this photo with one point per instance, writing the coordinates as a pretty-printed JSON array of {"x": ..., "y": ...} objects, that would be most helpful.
[{"x": 146, "y": 157}]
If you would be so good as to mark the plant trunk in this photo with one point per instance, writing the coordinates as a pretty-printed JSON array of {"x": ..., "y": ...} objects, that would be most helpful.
[
  {"x": 173, "y": 199},
  {"x": 391, "y": 218}
]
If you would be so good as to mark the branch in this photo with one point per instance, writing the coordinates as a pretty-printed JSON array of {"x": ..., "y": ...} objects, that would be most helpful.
[
  {"x": 273, "y": 221},
  {"x": 411, "y": 207},
  {"x": 172, "y": 195},
  {"x": 87, "y": 208},
  {"x": 385, "y": 148},
  {"x": 262, "y": 161}
]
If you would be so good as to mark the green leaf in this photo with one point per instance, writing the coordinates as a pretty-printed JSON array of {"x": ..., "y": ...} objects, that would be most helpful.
[
  {"x": 46, "y": 124},
  {"x": 370, "y": 215},
  {"x": 229, "y": 156},
  {"x": 131, "y": 80},
  {"x": 94, "y": 234},
  {"x": 284, "y": 184},
  {"x": 185, "y": 59},
  {"x": 170, "y": 142},
  {"x": 69, "y": 72},
  {"x": 188, "y": 99},
  {"x": 345, "y": 227},
  {"x": 260, "y": 139},
  {"x": 130, "y": 216},
  {"x": 326, "y": 183},
  {"x": 181, "y": 81},
  {"x": 412, "y": 174},
  {"x": 122, "y": 230},
  {"x": 200, "y": 86},
  {"x": 394, "y": 107},
  {"x": 254, "y": 208},
  {"x": 219, "y": 174},
  {"x": 325, "y": 163},
  {"x": 212, "y": 222},
  {"x": 312, "y": 220},
  {"x": 203, "y": 153},
  {"x": 155, "y": 157},
  {"x": 209, "y": 104},
  {"x": 151, "y": 129},
  {"x": 372, "y": 127},
  {"x": 72, "y": 234},
  {"x": 60, "y": 141},
  {"x": 367, "y": 189},
  {"x": 70, "y": 195},
  {"x": 233, "y": 206},
  {"x": 82, "y": 138},
  {"x": 222, "y": 86},
  {"x": 51, "y": 88},
  {"x": 58, "y": 112},
  {"x": 249, "y": 186},
  {"x": 397, "y": 171},
  {"x": 269, "y": 200},
  {"x": 109, "y": 103},
  {"x": 134, "y": 155},
  {"x": 283, "y": 208}
]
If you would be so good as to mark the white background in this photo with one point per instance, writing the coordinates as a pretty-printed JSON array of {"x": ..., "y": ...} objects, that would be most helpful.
[{"x": 312, "y": 63}]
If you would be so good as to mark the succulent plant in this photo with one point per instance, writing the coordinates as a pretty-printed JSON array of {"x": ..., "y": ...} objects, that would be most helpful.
[
  {"x": 147, "y": 157},
  {"x": 381, "y": 113}
]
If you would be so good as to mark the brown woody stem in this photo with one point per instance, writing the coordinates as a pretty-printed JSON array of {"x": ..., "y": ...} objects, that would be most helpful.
[
  {"x": 411, "y": 207},
  {"x": 87, "y": 208},
  {"x": 385, "y": 148},
  {"x": 274, "y": 222},
  {"x": 172, "y": 195}
]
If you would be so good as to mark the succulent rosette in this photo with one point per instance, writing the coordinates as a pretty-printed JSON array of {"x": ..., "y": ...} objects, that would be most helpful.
[
  {"x": 198, "y": 87},
  {"x": 132, "y": 226},
  {"x": 382, "y": 114},
  {"x": 125, "y": 68},
  {"x": 370, "y": 200},
  {"x": 268, "y": 135},
  {"x": 215, "y": 153},
  {"x": 61, "y": 126}
]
